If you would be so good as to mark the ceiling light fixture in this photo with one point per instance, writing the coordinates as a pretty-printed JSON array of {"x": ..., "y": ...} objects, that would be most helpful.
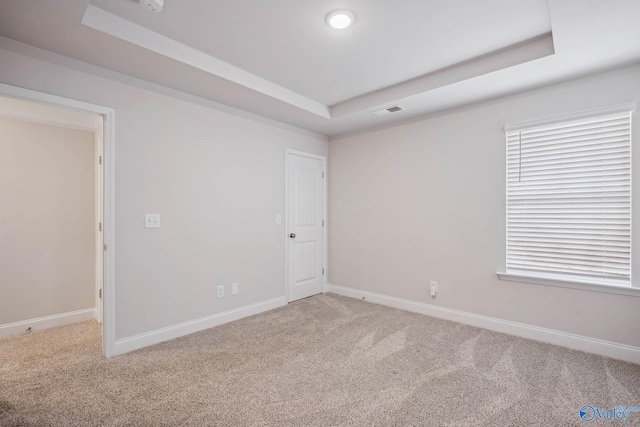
[
  {"x": 340, "y": 19},
  {"x": 152, "y": 5}
]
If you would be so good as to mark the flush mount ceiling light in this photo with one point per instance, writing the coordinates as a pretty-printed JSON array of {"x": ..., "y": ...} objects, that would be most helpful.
[
  {"x": 340, "y": 19},
  {"x": 152, "y": 5}
]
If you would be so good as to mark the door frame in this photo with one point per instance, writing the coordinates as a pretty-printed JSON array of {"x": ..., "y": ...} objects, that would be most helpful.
[
  {"x": 108, "y": 203},
  {"x": 288, "y": 152},
  {"x": 98, "y": 136}
]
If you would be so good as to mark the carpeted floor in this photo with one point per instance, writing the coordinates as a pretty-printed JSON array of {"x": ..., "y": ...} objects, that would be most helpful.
[{"x": 322, "y": 361}]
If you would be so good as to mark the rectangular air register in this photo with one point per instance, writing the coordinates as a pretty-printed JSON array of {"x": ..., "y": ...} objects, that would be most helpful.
[{"x": 388, "y": 110}]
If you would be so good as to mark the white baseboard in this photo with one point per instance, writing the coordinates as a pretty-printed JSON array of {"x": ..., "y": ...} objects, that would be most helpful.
[
  {"x": 46, "y": 322},
  {"x": 136, "y": 342},
  {"x": 577, "y": 342}
]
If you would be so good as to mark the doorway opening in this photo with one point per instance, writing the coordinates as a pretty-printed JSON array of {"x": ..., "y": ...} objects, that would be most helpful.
[{"x": 55, "y": 210}]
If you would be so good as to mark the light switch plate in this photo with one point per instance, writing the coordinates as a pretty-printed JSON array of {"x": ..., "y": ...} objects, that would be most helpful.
[
  {"x": 151, "y": 220},
  {"x": 234, "y": 289}
]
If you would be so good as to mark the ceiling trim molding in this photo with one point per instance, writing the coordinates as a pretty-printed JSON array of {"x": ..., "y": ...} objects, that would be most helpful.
[
  {"x": 115, "y": 26},
  {"x": 39, "y": 54},
  {"x": 516, "y": 54}
]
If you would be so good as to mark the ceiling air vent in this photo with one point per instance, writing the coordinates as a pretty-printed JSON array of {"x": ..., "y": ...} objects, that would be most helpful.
[{"x": 388, "y": 110}]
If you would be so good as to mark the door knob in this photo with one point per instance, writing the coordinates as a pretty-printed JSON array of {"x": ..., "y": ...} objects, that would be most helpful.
[{"x": 292, "y": 235}]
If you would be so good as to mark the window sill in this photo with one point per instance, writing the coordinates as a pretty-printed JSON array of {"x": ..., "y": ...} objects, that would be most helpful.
[{"x": 568, "y": 283}]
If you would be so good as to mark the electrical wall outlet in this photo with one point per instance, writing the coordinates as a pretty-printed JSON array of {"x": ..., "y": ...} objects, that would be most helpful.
[
  {"x": 151, "y": 220},
  {"x": 434, "y": 288},
  {"x": 234, "y": 289},
  {"x": 221, "y": 291}
]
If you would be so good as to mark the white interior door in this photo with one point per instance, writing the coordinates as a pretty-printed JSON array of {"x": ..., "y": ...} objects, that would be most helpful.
[{"x": 305, "y": 225}]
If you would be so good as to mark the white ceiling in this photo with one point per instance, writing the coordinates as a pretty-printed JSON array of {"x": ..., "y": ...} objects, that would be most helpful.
[
  {"x": 289, "y": 43},
  {"x": 280, "y": 60}
]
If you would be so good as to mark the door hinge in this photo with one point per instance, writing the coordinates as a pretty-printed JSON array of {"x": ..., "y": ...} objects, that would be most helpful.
[
  {"x": 105, "y": 246},
  {"x": 323, "y": 222},
  {"x": 99, "y": 160},
  {"x": 323, "y": 271},
  {"x": 99, "y": 226},
  {"x": 100, "y": 293},
  {"x": 323, "y": 174}
]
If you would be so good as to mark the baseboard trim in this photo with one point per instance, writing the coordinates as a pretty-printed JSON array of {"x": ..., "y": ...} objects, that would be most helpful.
[
  {"x": 136, "y": 342},
  {"x": 577, "y": 342},
  {"x": 46, "y": 322}
]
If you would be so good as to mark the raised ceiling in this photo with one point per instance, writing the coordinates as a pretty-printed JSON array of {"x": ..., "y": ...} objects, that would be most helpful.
[
  {"x": 280, "y": 60},
  {"x": 289, "y": 43}
]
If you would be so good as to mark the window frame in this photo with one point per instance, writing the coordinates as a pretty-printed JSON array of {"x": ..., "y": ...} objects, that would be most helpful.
[{"x": 589, "y": 284}]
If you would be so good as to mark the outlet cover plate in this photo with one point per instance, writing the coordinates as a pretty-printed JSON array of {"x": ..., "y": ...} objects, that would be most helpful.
[{"x": 151, "y": 220}]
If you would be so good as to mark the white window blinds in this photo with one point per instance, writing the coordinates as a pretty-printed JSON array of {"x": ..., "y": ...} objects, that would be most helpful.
[{"x": 569, "y": 199}]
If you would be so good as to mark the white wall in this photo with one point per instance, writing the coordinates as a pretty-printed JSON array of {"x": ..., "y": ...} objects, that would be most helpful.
[
  {"x": 216, "y": 179},
  {"x": 47, "y": 233},
  {"x": 426, "y": 201}
]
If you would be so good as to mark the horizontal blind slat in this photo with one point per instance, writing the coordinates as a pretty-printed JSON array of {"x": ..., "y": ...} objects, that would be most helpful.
[
  {"x": 513, "y": 151},
  {"x": 568, "y": 126},
  {"x": 602, "y": 273},
  {"x": 542, "y": 142},
  {"x": 565, "y": 174},
  {"x": 571, "y": 253}
]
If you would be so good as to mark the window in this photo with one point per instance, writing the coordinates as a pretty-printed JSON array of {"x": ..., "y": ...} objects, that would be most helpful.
[{"x": 569, "y": 200}]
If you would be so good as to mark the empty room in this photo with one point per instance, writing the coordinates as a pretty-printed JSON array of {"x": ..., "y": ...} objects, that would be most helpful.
[{"x": 306, "y": 213}]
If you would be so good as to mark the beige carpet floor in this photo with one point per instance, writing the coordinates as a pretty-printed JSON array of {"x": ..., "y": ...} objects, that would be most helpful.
[{"x": 322, "y": 361}]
